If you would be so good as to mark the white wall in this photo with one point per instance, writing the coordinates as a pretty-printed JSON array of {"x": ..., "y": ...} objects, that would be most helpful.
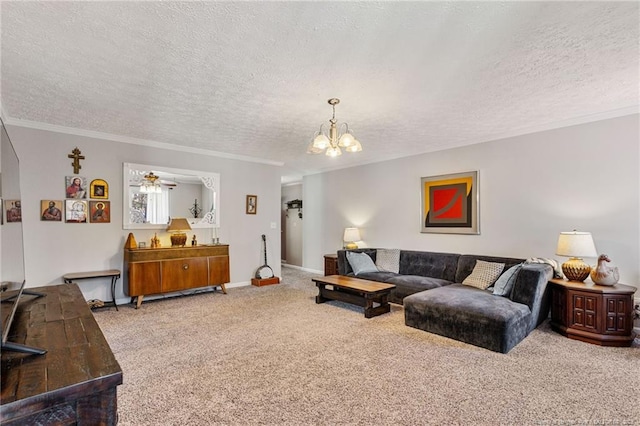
[
  {"x": 292, "y": 229},
  {"x": 532, "y": 187},
  {"x": 53, "y": 249}
]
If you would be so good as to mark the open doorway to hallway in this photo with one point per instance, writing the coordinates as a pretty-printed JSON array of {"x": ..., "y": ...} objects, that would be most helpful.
[{"x": 291, "y": 217}]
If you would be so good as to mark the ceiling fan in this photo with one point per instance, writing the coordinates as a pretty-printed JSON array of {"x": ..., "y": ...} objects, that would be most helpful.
[{"x": 152, "y": 183}]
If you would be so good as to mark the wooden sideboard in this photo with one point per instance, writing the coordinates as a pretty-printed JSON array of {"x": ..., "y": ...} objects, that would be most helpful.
[
  {"x": 75, "y": 381},
  {"x": 166, "y": 270},
  {"x": 602, "y": 315}
]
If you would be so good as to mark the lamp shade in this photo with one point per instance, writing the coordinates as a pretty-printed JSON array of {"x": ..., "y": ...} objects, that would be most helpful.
[
  {"x": 176, "y": 227},
  {"x": 576, "y": 244},
  {"x": 351, "y": 235},
  {"x": 178, "y": 224}
]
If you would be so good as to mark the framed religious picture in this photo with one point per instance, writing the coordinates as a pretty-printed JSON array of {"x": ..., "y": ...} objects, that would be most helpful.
[
  {"x": 76, "y": 187},
  {"x": 51, "y": 210},
  {"x": 99, "y": 211},
  {"x": 75, "y": 211},
  {"x": 450, "y": 204},
  {"x": 99, "y": 189},
  {"x": 13, "y": 211},
  {"x": 252, "y": 204}
]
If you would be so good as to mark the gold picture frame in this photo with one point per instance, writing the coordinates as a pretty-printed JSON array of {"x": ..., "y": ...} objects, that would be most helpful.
[
  {"x": 51, "y": 210},
  {"x": 99, "y": 211},
  {"x": 99, "y": 189},
  {"x": 451, "y": 204},
  {"x": 252, "y": 204}
]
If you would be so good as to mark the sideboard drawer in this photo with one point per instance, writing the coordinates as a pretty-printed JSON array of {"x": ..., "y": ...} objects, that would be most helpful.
[{"x": 180, "y": 274}]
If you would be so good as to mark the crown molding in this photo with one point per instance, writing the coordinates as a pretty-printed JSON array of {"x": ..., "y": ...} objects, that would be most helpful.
[
  {"x": 134, "y": 141},
  {"x": 585, "y": 119}
]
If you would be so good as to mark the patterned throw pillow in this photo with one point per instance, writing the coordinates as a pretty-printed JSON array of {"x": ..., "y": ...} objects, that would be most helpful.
[
  {"x": 484, "y": 274},
  {"x": 360, "y": 263},
  {"x": 388, "y": 260},
  {"x": 506, "y": 281}
]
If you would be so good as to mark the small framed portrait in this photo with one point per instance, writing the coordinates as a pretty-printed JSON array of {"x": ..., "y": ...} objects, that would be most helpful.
[
  {"x": 13, "y": 211},
  {"x": 76, "y": 187},
  {"x": 99, "y": 189},
  {"x": 51, "y": 210},
  {"x": 99, "y": 211},
  {"x": 75, "y": 211},
  {"x": 252, "y": 204}
]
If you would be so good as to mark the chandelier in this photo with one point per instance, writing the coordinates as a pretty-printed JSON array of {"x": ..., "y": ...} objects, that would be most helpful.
[
  {"x": 149, "y": 185},
  {"x": 339, "y": 137}
]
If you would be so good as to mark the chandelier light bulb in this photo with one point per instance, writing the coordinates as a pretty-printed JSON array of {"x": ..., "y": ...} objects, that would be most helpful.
[
  {"x": 333, "y": 151},
  {"x": 355, "y": 147},
  {"x": 321, "y": 142},
  {"x": 346, "y": 140}
]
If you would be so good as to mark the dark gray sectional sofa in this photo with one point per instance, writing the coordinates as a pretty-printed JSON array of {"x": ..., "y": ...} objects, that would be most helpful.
[{"x": 429, "y": 286}]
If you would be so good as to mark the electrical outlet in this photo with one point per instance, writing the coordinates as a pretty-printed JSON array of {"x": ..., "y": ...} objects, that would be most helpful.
[{"x": 274, "y": 225}]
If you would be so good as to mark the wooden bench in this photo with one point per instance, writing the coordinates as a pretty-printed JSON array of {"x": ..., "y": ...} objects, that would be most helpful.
[{"x": 114, "y": 274}]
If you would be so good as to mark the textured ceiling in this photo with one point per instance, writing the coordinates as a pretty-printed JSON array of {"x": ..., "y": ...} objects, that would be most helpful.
[{"x": 253, "y": 78}]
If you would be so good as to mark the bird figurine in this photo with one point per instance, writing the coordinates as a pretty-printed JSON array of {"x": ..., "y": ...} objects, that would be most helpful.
[{"x": 604, "y": 274}]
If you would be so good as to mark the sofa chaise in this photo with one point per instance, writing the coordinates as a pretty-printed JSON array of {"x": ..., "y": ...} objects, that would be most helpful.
[{"x": 429, "y": 285}]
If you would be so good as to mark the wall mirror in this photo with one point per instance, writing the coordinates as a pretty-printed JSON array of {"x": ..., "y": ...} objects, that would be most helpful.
[{"x": 154, "y": 194}]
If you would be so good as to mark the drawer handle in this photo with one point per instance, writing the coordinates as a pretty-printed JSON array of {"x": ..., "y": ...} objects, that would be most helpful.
[{"x": 185, "y": 266}]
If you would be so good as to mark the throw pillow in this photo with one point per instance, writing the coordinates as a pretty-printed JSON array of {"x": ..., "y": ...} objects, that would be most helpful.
[
  {"x": 360, "y": 263},
  {"x": 388, "y": 260},
  {"x": 505, "y": 283},
  {"x": 484, "y": 274}
]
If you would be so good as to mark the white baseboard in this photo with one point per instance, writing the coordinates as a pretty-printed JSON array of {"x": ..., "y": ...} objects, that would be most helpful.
[{"x": 300, "y": 268}]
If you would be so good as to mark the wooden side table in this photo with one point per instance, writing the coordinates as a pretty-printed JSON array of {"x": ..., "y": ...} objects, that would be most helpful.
[
  {"x": 592, "y": 313},
  {"x": 330, "y": 264}
]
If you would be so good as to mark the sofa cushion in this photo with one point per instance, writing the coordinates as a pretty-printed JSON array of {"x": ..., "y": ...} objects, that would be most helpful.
[
  {"x": 410, "y": 284},
  {"x": 467, "y": 262},
  {"x": 429, "y": 264},
  {"x": 470, "y": 315},
  {"x": 504, "y": 284},
  {"x": 484, "y": 274},
  {"x": 388, "y": 260},
  {"x": 360, "y": 263},
  {"x": 380, "y": 276},
  {"x": 344, "y": 268}
]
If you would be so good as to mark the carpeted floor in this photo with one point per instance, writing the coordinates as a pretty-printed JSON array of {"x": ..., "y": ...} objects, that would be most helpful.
[{"x": 270, "y": 355}]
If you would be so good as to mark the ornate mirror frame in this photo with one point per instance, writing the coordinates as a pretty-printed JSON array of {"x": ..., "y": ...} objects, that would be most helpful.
[{"x": 133, "y": 174}]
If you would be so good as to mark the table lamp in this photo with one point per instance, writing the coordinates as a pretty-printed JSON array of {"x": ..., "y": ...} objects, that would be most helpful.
[
  {"x": 351, "y": 235},
  {"x": 576, "y": 245},
  {"x": 176, "y": 227}
]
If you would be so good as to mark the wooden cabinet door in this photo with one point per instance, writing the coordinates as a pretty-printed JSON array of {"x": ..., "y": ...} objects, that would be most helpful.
[
  {"x": 144, "y": 278},
  {"x": 218, "y": 270},
  {"x": 585, "y": 311},
  {"x": 180, "y": 274},
  {"x": 619, "y": 314}
]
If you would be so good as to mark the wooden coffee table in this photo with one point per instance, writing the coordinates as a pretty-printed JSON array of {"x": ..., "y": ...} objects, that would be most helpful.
[{"x": 355, "y": 291}]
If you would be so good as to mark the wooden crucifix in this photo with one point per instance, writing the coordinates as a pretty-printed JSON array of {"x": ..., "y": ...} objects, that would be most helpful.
[{"x": 75, "y": 154}]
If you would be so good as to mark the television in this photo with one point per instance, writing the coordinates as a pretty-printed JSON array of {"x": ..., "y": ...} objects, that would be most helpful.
[{"x": 12, "y": 273}]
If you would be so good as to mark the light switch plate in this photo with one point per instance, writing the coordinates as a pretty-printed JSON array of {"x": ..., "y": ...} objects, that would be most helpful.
[{"x": 274, "y": 225}]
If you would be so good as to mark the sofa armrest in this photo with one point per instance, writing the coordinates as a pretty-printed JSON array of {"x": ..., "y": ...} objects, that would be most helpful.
[{"x": 530, "y": 289}]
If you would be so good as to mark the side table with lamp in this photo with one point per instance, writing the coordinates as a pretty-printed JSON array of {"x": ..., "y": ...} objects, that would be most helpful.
[{"x": 593, "y": 313}]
